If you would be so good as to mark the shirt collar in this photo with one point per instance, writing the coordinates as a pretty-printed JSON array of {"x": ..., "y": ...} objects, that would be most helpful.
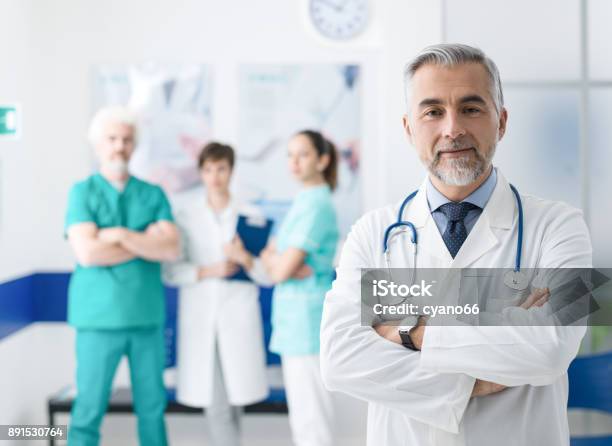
[{"x": 479, "y": 197}]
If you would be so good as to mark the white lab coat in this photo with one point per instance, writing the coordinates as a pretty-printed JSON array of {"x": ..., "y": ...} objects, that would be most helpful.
[
  {"x": 215, "y": 311},
  {"x": 423, "y": 398}
]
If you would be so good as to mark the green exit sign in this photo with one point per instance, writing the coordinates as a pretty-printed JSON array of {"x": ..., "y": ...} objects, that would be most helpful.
[{"x": 9, "y": 121}]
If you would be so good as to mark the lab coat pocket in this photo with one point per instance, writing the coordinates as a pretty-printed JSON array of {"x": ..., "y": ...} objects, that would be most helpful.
[
  {"x": 495, "y": 295},
  {"x": 497, "y": 303}
]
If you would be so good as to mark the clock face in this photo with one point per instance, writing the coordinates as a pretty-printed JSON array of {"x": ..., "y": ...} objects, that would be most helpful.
[{"x": 339, "y": 19}]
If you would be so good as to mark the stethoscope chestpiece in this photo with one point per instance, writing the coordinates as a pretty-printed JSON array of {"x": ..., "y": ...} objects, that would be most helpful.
[{"x": 517, "y": 280}]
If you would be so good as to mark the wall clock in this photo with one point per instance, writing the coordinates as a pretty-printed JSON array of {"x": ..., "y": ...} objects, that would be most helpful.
[{"x": 339, "y": 19}]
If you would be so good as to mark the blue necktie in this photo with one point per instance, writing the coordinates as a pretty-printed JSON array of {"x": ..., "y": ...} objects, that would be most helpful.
[{"x": 455, "y": 233}]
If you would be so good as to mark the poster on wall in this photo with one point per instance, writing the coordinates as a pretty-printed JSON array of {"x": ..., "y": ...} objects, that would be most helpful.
[
  {"x": 173, "y": 104},
  {"x": 275, "y": 102}
]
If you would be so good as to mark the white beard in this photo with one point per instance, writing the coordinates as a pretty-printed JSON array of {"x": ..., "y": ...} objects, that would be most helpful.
[{"x": 117, "y": 167}]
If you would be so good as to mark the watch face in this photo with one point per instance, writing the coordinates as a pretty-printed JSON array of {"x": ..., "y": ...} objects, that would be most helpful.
[{"x": 339, "y": 19}]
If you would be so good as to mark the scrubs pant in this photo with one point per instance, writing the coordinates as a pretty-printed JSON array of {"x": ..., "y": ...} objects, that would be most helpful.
[
  {"x": 310, "y": 403},
  {"x": 98, "y": 353},
  {"x": 223, "y": 418}
]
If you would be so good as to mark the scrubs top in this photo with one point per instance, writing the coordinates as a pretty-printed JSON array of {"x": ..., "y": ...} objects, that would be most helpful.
[
  {"x": 311, "y": 226},
  {"x": 129, "y": 294}
]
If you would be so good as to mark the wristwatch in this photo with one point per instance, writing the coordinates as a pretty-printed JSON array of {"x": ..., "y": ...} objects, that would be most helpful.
[{"x": 404, "y": 332}]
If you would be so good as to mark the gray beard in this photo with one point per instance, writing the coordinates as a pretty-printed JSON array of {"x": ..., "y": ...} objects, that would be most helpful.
[{"x": 461, "y": 171}]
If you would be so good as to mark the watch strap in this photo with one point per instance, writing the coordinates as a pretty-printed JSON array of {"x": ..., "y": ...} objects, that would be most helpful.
[{"x": 407, "y": 340}]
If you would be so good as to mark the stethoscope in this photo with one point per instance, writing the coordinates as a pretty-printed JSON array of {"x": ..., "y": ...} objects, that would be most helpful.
[{"x": 515, "y": 279}]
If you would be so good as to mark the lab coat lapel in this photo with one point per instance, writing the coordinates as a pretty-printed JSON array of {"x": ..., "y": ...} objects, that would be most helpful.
[
  {"x": 497, "y": 215},
  {"x": 480, "y": 240},
  {"x": 215, "y": 233},
  {"x": 223, "y": 219}
]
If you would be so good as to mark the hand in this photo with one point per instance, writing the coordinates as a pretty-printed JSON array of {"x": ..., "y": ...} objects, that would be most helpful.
[
  {"x": 154, "y": 229},
  {"x": 389, "y": 332},
  {"x": 112, "y": 235},
  {"x": 219, "y": 270},
  {"x": 483, "y": 388},
  {"x": 236, "y": 252},
  {"x": 303, "y": 272},
  {"x": 268, "y": 253},
  {"x": 271, "y": 245},
  {"x": 537, "y": 298},
  {"x": 418, "y": 332}
]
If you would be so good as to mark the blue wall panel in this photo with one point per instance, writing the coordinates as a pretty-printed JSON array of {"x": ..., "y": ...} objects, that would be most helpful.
[
  {"x": 42, "y": 297},
  {"x": 49, "y": 296},
  {"x": 16, "y": 305}
]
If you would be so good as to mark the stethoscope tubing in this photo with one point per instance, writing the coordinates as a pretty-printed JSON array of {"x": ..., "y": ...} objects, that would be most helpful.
[{"x": 414, "y": 235}]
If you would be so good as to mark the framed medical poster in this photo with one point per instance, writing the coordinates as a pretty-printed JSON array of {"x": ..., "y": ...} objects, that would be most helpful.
[
  {"x": 173, "y": 104},
  {"x": 275, "y": 102}
]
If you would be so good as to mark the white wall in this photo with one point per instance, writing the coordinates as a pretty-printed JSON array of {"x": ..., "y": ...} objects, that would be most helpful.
[
  {"x": 17, "y": 191},
  {"x": 47, "y": 68},
  {"x": 36, "y": 362},
  {"x": 409, "y": 26},
  {"x": 57, "y": 43}
]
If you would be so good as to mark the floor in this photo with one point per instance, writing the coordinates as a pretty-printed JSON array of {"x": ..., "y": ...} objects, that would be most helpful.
[
  {"x": 190, "y": 430},
  {"x": 273, "y": 430}
]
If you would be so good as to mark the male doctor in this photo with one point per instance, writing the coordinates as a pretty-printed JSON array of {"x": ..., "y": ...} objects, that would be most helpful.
[
  {"x": 454, "y": 385},
  {"x": 120, "y": 229}
]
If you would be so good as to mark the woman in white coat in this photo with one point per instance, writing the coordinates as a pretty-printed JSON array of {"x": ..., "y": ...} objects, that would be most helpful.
[{"x": 221, "y": 357}]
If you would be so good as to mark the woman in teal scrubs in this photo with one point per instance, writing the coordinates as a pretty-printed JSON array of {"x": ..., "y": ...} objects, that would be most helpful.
[{"x": 306, "y": 241}]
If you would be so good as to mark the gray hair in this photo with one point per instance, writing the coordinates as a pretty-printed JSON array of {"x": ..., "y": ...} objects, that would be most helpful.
[
  {"x": 113, "y": 114},
  {"x": 453, "y": 54}
]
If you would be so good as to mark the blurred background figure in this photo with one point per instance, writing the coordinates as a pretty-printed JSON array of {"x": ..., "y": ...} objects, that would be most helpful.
[
  {"x": 308, "y": 236},
  {"x": 120, "y": 229},
  {"x": 221, "y": 357}
]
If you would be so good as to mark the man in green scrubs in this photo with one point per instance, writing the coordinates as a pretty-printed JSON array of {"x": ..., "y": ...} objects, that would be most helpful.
[{"x": 120, "y": 229}]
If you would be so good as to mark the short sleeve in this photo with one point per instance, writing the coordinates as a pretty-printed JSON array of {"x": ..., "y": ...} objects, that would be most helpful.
[
  {"x": 164, "y": 210},
  {"x": 78, "y": 210},
  {"x": 310, "y": 229}
]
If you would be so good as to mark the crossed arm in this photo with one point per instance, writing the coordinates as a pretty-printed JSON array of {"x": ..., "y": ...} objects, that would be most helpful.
[
  {"x": 282, "y": 266},
  {"x": 435, "y": 385},
  {"x": 277, "y": 267},
  {"x": 516, "y": 354},
  {"x": 481, "y": 387},
  {"x": 111, "y": 246}
]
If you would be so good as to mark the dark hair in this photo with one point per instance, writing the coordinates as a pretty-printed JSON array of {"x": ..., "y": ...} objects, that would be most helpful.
[
  {"x": 324, "y": 146},
  {"x": 216, "y": 151}
]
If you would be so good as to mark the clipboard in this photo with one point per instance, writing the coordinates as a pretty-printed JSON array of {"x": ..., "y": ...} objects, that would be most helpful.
[{"x": 254, "y": 232}]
